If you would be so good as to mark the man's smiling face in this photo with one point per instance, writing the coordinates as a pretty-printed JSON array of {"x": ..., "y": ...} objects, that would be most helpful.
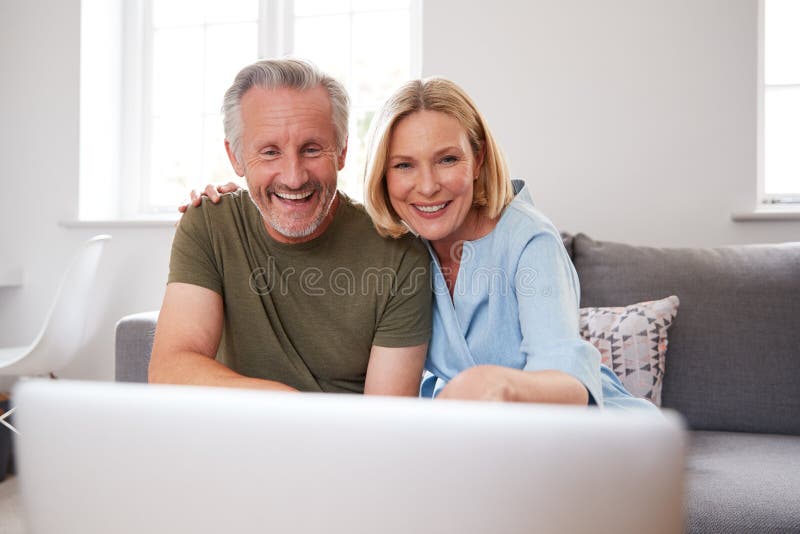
[{"x": 289, "y": 157}]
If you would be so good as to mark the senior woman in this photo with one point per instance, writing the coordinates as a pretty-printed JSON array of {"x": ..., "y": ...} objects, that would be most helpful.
[{"x": 505, "y": 292}]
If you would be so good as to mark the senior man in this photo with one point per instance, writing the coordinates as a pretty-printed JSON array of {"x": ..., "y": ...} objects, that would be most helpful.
[{"x": 287, "y": 286}]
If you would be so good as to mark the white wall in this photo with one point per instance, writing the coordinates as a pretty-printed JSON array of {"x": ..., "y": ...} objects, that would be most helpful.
[{"x": 633, "y": 120}]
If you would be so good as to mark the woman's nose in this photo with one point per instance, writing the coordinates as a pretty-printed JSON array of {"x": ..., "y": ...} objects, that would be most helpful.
[{"x": 428, "y": 183}]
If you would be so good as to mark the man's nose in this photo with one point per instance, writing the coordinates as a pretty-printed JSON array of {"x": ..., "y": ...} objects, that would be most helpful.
[{"x": 294, "y": 175}]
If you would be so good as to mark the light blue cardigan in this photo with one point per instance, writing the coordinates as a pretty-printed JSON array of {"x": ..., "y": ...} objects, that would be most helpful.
[{"x": 515, "y": 304}]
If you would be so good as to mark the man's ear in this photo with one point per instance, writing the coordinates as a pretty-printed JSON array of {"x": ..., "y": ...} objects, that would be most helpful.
[
  {"x": 237, "y": 166},
  {"x": 341, "y": 157}
]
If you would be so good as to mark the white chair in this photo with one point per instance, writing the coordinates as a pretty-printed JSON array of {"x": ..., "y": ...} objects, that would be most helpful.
[{"x": 62, "y": 334}]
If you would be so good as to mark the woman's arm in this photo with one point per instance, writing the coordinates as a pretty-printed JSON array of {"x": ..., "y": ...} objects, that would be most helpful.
[
  {"x": 548, "y": 296},
  {"x": 504, "y": 384}
]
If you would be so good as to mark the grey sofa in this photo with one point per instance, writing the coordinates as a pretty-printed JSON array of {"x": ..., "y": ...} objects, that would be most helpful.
[{"x": 732, "y": 370}]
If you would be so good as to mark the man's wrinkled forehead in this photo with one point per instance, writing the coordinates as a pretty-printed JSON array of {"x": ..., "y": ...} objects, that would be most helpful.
[
  {"x": 288, "y": 110},
  {"x": 284, "y": 101}
]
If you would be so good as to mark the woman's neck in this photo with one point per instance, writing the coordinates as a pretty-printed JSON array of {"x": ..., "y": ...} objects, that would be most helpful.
[
  {"x": 449, "y": 249},
  {"x": 475, "y": 226}
]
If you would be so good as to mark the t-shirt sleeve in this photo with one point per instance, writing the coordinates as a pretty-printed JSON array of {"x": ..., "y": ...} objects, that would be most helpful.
[
  {"x": 406, "y": 319},
  {"x": 548, "y": 293},
  {"x": 192, "y": 260}
]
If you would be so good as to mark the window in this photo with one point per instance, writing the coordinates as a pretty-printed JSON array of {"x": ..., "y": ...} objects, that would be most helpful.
[
  {"x": 780, "y": 93},
  {"x": 179, "y": 57}
]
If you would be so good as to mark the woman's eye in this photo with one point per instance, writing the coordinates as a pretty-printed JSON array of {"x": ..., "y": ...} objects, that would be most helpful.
[
  {"x": 449, "y": 159},
  {"x": 401, "y": 166}
]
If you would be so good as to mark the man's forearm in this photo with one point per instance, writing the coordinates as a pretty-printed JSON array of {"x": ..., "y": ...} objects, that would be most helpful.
[{"x": 191, "y": 368}]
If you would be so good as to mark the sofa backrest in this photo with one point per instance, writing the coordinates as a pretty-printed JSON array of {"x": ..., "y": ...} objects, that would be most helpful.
[{"x": 733, "y": 358}]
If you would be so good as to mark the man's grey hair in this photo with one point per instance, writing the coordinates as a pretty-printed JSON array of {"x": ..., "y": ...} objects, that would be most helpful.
[{"x": 277, "y": 74}]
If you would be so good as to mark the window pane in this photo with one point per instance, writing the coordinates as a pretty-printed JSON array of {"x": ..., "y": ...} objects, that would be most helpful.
[
  {"x": 176, "y": 159},
  {"x": 168, "y": 13},
  {"x": 216, "y": 167},
  {"x": 377, "y": 5},
  {"x": 172, "y": 13},
  {"x": 177, "y": 71},
  {"x": 380, "y": 54},
  {"x": 304, "y": 8},
  {"x": 231, "y": 11},
  {"x": 352, "y": 176},
  {"x": 781, "y": 141},
  {"x": 326, "y": 42},
  {"x": 229, "y": 47},
  {"x": 782, "y": 42}
]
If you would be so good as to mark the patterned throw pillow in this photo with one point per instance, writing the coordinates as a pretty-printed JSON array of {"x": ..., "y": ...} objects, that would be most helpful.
[{"x": 632, "y": 341}]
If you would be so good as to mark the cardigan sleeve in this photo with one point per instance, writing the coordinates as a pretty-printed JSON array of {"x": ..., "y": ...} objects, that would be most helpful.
[{"x": 548, "y": 294}]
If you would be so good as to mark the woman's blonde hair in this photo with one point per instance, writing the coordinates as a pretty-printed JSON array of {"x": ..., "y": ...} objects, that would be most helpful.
[{"x": 493, "y": 190}]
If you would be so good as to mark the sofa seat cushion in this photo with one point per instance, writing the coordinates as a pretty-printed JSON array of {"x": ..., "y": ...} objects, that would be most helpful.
[{"x": 739, "y": 482}]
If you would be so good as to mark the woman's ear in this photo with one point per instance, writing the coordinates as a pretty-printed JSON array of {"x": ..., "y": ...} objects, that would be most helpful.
[{"x": 479, "y": 158}]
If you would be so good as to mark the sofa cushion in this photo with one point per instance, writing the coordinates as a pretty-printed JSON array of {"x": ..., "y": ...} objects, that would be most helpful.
[
  {"x": 632, "y": 341},
  {"x": 739, "y": 482},
  {"x": 733, "y": 361}
]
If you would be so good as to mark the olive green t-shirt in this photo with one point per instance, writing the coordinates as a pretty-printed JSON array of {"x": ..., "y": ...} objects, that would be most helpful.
[{"x": 304, "y": 314}]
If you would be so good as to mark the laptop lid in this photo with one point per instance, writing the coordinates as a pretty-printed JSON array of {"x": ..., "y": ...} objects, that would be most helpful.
[{"x": 98, "y": 457}]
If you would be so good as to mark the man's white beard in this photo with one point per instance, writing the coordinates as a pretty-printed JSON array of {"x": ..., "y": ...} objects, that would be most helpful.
[{"x": 274, "y": 221}]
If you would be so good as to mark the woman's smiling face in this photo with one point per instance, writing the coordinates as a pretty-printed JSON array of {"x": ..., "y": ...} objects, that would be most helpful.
[{"x": 430, "y": 173}]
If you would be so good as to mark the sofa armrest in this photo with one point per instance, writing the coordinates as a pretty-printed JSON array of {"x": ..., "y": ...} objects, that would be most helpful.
[{"x": 134, "y": 342}]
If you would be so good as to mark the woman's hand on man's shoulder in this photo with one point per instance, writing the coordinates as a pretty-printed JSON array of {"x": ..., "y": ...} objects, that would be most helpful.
[{"x": 212, "y": 192}]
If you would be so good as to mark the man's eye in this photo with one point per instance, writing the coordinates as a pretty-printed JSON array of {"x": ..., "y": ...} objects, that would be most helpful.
[
  {"x": 269, "y": 152},
  {"x": 311, "y": 151}
]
